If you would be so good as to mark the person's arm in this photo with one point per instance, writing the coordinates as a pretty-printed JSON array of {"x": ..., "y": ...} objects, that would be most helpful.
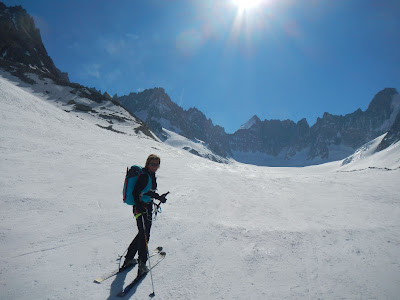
[{"x": 155, "y": 195}]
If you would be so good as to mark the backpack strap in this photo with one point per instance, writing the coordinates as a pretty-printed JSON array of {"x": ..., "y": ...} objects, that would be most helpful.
[{"x": 126, "y": 181}]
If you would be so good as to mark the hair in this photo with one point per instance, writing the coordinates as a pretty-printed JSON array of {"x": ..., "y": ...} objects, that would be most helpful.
[{"x": 150, "y": 158}]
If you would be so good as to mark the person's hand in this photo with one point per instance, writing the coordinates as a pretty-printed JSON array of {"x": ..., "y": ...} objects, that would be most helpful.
[{"x": 163, "y": 198}]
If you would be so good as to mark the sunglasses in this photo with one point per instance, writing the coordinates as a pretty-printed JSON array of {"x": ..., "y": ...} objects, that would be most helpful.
[{"x": 154, "y": 165}]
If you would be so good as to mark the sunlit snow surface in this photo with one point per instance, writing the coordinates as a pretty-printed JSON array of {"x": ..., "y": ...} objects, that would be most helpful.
[{"x": 231, "y": 231}]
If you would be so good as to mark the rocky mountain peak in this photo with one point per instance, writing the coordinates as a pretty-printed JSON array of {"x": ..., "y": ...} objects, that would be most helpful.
[
  {"x": 303, "y": 123},
  {"x": 382, "y": 100},
  {"x": 20, "y": 21},
  {"x": 21, "y": 43},
  {"x": 252, "y": 121}
]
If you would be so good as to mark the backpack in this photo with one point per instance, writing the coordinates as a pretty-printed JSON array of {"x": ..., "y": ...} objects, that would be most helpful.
[{"x": 131, "y": 177}]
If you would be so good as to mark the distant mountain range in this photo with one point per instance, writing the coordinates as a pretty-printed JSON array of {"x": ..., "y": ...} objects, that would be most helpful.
[
  {"x": 153, "y": 114},
  {"x": 274, "y": 142}
]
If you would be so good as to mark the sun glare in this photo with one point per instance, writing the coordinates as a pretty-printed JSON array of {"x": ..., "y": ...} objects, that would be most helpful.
[{"x": 246, "y": 4}]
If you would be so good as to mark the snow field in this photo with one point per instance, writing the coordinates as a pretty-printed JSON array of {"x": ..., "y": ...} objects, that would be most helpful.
[{"x": 230, "y": 231}]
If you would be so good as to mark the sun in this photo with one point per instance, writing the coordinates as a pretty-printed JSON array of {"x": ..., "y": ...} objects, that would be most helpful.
[{"x": 243, "y": 5}]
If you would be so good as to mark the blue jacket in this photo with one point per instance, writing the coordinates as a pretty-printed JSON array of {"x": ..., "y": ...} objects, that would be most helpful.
[{"x": 146, "y": 186}]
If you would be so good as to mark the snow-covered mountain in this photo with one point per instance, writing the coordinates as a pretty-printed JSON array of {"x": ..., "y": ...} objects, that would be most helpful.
[
  {"x": 230, "y": 231},
  {"x": 195, "y": 146},
  {"x": 393, "y": 135},
  {"x": 285, "y": 143},
  {"x": 78, "y": 102},
  {"x": 24, "y": 59},
  {"x": 370, "y": 156},
  {"x": 157, "y": 110},
  {"x": 272, "y": 142},
  {"x": 268, "y": 142}
]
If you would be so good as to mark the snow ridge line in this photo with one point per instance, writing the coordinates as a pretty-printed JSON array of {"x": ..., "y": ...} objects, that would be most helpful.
[{"x": 369, "y": 168}]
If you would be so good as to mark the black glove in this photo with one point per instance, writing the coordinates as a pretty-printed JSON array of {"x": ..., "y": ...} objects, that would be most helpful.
[{"x": 163, "y": 198}]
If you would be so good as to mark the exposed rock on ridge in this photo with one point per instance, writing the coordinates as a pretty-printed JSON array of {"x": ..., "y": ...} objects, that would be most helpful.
[
  {"x": 157, "y": 110},
  {"x": 21, "y": 42},
  {"x": 330, "y": 138}
]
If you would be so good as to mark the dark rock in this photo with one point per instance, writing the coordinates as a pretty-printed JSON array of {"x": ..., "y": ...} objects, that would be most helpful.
[
  {"x": 82, "y": 107},
  {"x": 392, "y": 137},
  {"x": 21, "y": 42}
]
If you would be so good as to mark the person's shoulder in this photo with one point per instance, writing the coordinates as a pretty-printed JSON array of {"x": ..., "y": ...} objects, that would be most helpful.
[
  {"x": 146, "y": 171},
  {"x": 145, "y": 177},
  {"x": 152, "y": 175}
]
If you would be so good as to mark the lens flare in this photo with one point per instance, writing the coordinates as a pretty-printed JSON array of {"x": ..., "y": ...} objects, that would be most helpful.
[{"x": 246, "y": 4}]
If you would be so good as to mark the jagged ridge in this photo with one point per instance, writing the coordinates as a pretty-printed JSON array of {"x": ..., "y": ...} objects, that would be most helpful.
[{"x": 271, "y": 137}]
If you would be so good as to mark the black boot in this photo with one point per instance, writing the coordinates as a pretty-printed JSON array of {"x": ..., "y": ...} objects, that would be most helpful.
[
  {"x": 129, "y": 263},
  {"x": 142, "y": 268}
]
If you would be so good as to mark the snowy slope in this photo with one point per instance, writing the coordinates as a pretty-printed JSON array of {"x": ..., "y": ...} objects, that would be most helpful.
[
  {"x": 196, "y": 147},
  {"x": 75, "y": 101},
  {"x": 231, "y": 231},
  {"x": 367, "y": 157}
]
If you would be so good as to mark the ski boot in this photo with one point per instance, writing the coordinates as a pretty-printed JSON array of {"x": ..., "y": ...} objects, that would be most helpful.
[
  {"x": 129, "y": 263},
  {"x": 142, "y": 269}
]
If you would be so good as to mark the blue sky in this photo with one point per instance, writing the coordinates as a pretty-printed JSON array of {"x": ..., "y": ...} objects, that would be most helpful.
[{"x": 282, "y": 59}]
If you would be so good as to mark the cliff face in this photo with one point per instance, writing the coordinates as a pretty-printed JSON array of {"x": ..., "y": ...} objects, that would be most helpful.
[
  {"x": 393, "y": 135},
  {"x": 21, "y": 43},
  {"x": 157, "y": 110}
]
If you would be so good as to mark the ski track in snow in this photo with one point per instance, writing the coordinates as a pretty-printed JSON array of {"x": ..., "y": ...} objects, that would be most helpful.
[{"x": 231, "y": 231}]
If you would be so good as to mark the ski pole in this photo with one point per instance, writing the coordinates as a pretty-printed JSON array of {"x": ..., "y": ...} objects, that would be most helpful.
[
  {"x": 148, "y": 257},
  {"x": 120, "y": 258}
]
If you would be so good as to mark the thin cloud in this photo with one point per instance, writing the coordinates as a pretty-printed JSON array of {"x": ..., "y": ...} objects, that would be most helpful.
[
  {"x": 132, "y": 36},
  {"x": 74, "y": 45},
  {"x": 91, "y": 70},
  {"x": 117, "y": 46},
  {"x": 112, "y": 46},
  {"x": 181, "y": 97}
]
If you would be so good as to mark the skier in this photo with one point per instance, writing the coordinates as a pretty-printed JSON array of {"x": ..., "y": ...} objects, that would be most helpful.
[{"x": 143, "y": 211}]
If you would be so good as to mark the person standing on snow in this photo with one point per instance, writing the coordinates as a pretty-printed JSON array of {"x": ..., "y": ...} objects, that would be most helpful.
[{"x": 143, "y": 211}]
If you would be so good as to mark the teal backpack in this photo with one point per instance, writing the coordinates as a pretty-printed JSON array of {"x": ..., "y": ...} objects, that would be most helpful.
[{"x": 131, "y": 177}]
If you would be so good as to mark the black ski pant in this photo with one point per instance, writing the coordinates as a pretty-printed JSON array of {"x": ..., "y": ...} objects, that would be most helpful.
[{"x": 139, "y": 243}]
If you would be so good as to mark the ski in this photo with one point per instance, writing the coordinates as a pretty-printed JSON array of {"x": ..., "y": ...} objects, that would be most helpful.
[
  {"x": 139, "y": 278},
  {"x": 119, "y": 270}
]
